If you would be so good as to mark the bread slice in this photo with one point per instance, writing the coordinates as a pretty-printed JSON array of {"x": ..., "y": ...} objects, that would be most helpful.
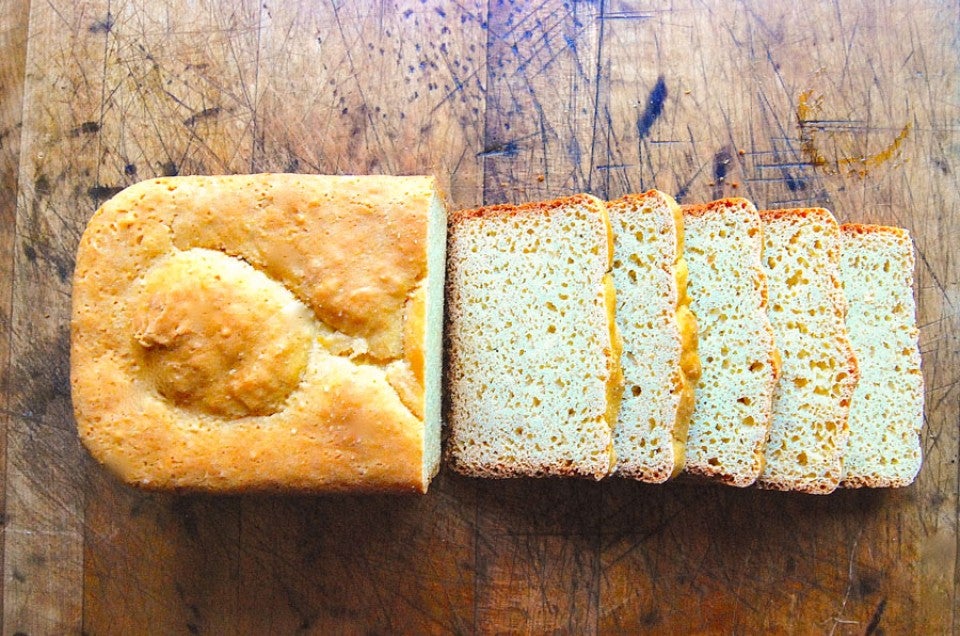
[
  {"x": 727, "y": 287},
  {"x": 534, "y": 374},
  {"x": 807, "y": 309},
  {"x": 660, "y": 364},
  {"x": 886, "y": 411}
]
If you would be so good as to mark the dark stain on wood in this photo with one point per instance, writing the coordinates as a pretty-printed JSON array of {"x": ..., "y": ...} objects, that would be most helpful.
[
  {"x": 41, "y": 186},
  {"x": 86, "y": 128},
  {"x": 102, "y": 193},
  {"x": 508, "y": 149},
  {"x": 721, "y": 163},
  {"x": 63, "y": 264},
  {"x": 653, "y": 109},
  {"x": 183, "y": 509},
  {"x": 874, "y": 624},
  {"x": 102, "y": 26},
  {"x": 794, "y": 184},
  {"x": 206, "y": 113},
  {"x": 869, "y": 585}
]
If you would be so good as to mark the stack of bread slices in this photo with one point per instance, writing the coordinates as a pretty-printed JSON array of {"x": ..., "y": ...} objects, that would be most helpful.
[{"x": 653, "y": 341}]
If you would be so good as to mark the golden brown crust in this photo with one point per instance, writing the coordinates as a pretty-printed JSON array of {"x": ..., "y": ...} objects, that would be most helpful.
[
  {"x": 798, "y": 213},
  {"x": 861, "y": 228},
  {"x": 639, "y": 456},
  {"x": 699, "y": 209},
  {"x": 341, "y": 257},
  {"x": 533, "y": 207},
  {"x": 641, "y": 199}
]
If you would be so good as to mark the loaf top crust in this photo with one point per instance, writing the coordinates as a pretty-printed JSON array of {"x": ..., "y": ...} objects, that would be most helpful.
[{"x": 255, "y": 332}]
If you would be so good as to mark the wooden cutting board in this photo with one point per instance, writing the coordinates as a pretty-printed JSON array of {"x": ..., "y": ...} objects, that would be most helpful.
[{"x": 853, "y": 106}]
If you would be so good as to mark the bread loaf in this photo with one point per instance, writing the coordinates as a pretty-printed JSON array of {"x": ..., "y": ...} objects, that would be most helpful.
[
  {"x": 263, "y": 332},
  {"x": 886, "y": 410},
  {"x": 660, "y": 364},
  {"x": 727, "y": 287},
  {"x": 533, "y": 368},
  {"x": 807, "y": 309}
]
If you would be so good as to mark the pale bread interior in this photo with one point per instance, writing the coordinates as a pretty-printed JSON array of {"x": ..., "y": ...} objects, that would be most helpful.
[
  {"x": 659, "y": 336},
  {"x": 807, "y": 309},
  {"x": 531, "y": 349},
  {"x": 723, "y": 242},
  {"x": 886, "y": 411},
  {"x": 433, "y": 337}
]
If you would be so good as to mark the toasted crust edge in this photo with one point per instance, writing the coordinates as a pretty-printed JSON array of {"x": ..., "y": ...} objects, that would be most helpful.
[{"x": 530, "y": 207}]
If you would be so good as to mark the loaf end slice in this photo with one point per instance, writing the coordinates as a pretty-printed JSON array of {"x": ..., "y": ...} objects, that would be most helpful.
[
  {"x": 660, "y": 363},
  {"x": 886, "y": 411},
  {"x": 807, "y": 309},
  {"x": 534, "y": 375}
]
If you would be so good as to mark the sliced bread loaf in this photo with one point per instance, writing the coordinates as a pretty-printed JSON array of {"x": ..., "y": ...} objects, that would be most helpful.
[
  {"x": 660, "y": 364},
  {"x": 886, "y": 411},
  {"x": 729, "y": 425},
  {"x": 533, "y": 354},
  {"x": 807, "y": 309}
]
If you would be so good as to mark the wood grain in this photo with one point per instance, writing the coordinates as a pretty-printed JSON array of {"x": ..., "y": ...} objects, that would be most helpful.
[
  {"x": 394, "y": 88},
  {"x": 541, "y": 112},
  {"x": 43, "y": 564},
  {"x": 849, "y": 105},
  {"x": 400, "y": 565},
  {"x": 14, "y": 22}
]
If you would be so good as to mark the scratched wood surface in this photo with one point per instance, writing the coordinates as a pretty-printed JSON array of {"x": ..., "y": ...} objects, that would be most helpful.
[{"x": 855, "y": 106}]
